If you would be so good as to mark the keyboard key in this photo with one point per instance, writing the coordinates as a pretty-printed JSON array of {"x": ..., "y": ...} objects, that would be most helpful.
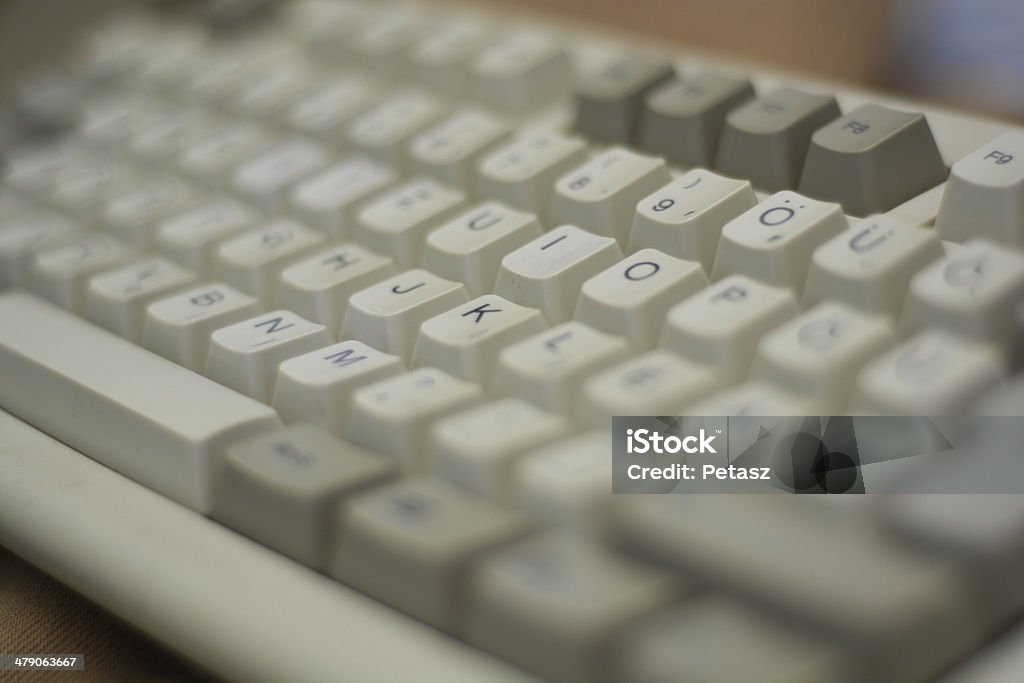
[
  {"x": 872, "y": 160},
  {"x": 384, "y": 131},
  {"x": 81, "y": 187},
  {"x": 820, "y": 352},
  {"x": 549, "y": 272},
  {"x": 388, "y": 315},
  {"x": 61, "y": 274},
  {"x": 179, "y": 327},
  {"x": 192, "y": 238},
  {"x": 427, "y": 533},
  {"x": 631, "y": 298},
  {"x": 114, "y": 117},
  {"x": 766, "y": 139},
  {"x": 774, "y": 241},
  {"x": 254, "y": 259},
  {"x": 609, "y": 95},
  {"x": 653, "y": 383},
  {"x": 754, "y": 398},
  {"x": 319, "y": 287},
  {"x": 266, "y": 179},
  {"x": 213, "y": 159},
  {"x": 93, "y": 400},
  {"x": 323, "y": 113},
  {"x": 25, "y": 233},
  {"x": 932, "y": 373},
  {"x": 441, "y": 57},
  {"x": 384, "y": 39},
  {"x": 450, "y": 150},
  {"x": 972, "y": 292},
  {"x": 521, "y": 173},
  {"x": 984, "y": 196},
  {"x": 135, "y": 215},
  {"x": 331, "y": 200},
  {"x": 682, "y": 119},
  {"x": 904, "y": 616},
  {"x": 685, "y": 217},
  {"x": 245, "y": 355},
  {"x": 552, "y": 605},
  {"x": 269, "y": 96},
  {"x": 395, "y": 415},
  {"x": 397, "y": 222},
  {"x": 602, "y": 194},
  {"x": 467, "y": 340},
  {"x": 317, "y": 387},
  {"x": 525, "y": 69},
  {"x": 713, "y": 638},
  {"x": 869, "y": 266},
  {"x": 117, "y": 299},
  {"x": 479, "y": 448},
  {"x": 469, "y": 248},
  {"x": 283, "y": 488},
  {"x": 567, "y": 483},
  {"x": 549, "y": 368},
  {"x": 722, "y": 325},
  {"x": 167, "y": 134}
]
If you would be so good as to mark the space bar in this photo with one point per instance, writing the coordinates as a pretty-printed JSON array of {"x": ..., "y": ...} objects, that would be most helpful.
[{"x": 133, "y": 411}]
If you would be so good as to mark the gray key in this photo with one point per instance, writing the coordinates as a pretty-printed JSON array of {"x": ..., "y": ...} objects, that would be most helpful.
[
  {"x": 282, "y": 488},
  {"x": 904, "y": 613},
  {"x": 552, "y": 605},
  {"x": 609, "y": 100},
  {"x": 682, "y": 119},
  {"x": 411, "y": 544},
  {"x": 872, "y": 160},
  {"x": 717, "y": 640},
  {"x": 766, "y": 140}
]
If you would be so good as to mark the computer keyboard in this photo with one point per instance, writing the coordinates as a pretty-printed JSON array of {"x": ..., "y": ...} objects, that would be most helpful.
[{"x": 326, "y": 313}]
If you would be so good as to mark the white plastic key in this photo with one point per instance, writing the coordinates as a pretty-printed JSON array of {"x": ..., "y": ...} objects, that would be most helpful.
[
  {"x": 450, "y": 150},
  {"x": 441, "y": 57},
  {"x": 384, "y": 130},
  {"x": 266, "y": 179},
  {"x": 394, "y": 416},
  {"x": 330, "y": 200},
  {"x": 397, "y": 222},
  {"x": 631, "y": 298},
  {"x": 566, "y": 483},
  {"x": 318, "y": 386},
  {"x": 245, "y": 355},
  {"x": 179, "y": 327},
  {"x": 467, "y": 340},
  {"x": 135, "y": 215},
  {"x": 653, "y": 383},
  {"x": 83, "y": 185},
  {"x": 521, "y": 172},
  {"x": 323, "y": 113},
  {"x": 318, "y": 288},
  {"x": 117, "y": 299},
  {"x": 388, "y": 315},
  {"x": 479, "y": 448},
  {"x": 192, "y": 238},
  {"x": 61, "y": 274},
  {"x": 166, "y": 444},
  {"x": 984, "y": 195},
  {"x": 972, "y": 292},
  {"x": 169, "y": 133},
  {"x": 283, "y": 489},
  {"x": 23, "y": 234},
  {"x": 932, "y": 373},
  {"x": 253, "y": 260},
  {"x": 429, "y": 534},
  {"x": 213, "y": 159},
  {"x": 550, "y": 368},
  {"x": 722, "y": 325},
  {"x": 820, "y": 352},
  {"x": 869, "y": 266},
  {"x": 278, "y": 87},
  {"x": 685, "y": 217},
  {"x": 774, "y": 241},
  {"x": 549, "y": 272},
  {"x": 469, "y": 248},
  {"x": 755, "y": 399},
  {"x": 384, "y": 39},
  {"x": 525, "y": 69},
  {"x": 602, "y": 194}
]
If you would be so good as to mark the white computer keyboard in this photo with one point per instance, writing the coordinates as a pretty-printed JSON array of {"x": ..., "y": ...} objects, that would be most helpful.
[{"x": 366, "y": 282}]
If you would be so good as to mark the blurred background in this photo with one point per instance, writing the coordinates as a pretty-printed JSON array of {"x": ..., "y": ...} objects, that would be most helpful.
[{"x": 968, "y": 54}]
